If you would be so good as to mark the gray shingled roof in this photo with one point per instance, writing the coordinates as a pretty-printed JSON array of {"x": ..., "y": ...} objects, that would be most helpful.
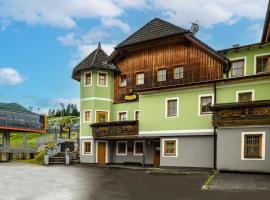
[
  {"x": 97, "y": 59},
  {"x": 156, "y": 28}
]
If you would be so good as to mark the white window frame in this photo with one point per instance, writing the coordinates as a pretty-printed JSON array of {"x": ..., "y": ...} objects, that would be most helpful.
[
  {"x": 107, "y": 151},
  {"x": 245, "y": 91},
  {"x": 102, "y": 111},
  {"x": 118, "y": 117},
  {"x": 176, "y": 147},
  {"x": 134, "y": 148},
  {"x": 90, "y": 120},
  {"x": 245, "y": 65},
  {"x": 87, "y": 154},
  {"x": 255, "y": 61},
  {"x": 121, "y": 154},
  {"x": 199, "y": 104},
  {"x": 166, "y": 107},
  {"x": 107, "y": 77},
  {"x": 134, "y": 114},
  {"x": 143, "y": 78},
  {"x": 162, "y": 69},
  {"x": 243, "y": 145},
  {"x": 120, "y": 82},
  {"x": 84, "y": 79}
]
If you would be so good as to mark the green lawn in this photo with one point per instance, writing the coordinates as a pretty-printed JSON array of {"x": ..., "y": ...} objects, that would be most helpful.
[{"x": 16, "y": 139}]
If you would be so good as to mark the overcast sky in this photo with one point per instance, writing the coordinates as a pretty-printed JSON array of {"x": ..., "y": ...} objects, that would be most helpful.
[{"x": 42, "y": 40}]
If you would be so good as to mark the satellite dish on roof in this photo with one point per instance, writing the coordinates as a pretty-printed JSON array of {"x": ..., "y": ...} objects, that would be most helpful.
[{"x": 194, "y": 27}]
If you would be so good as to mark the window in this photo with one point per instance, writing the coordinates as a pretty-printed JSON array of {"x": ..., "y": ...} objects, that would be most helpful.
[
  {"x": 87, "y": 116},
  {"x": 262, "y": 64},
  {"x": 102, "y": 116},
  {"x": 205, "y": 103},
  {"x": 123, "y": 81},
  {"x": 121, "y": 148},
  {"x": 87, "y": 79},
  {"x": 140, "y": 79},
  {"x": 161, "y": 75},
  {"x": 87, "y": 147},
  {"x": 178, "y": 73},
  {"x": 138, "y": 148},
  {"x": 136, "y": 115},
  {"x": 102, "y": 79},
  {"x": 122, "y": 116},
  {"x": 245, "y": 96},
  {"x": 172, "y": 107},
  {"x": 237, "y": 68},
  {"x": 170, "y": 147},
  {"x": 253, "y": 146}
]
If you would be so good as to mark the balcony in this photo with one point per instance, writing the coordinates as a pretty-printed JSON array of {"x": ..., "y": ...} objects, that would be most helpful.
[
  {"x": 241, "y": 114},
  {"x": 115, "y": 130}
]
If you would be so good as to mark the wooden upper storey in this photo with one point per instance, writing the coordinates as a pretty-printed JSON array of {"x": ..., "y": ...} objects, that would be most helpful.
[{"x": 158, "y": 61}]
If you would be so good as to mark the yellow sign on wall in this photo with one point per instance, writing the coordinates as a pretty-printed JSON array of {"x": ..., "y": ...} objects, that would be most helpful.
[{"x": 130, "y": 97}]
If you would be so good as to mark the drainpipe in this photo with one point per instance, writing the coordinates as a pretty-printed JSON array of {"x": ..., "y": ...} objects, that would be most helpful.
[
  {"x": 144, "y": 151},
  {"x": 215, "y": 130}
]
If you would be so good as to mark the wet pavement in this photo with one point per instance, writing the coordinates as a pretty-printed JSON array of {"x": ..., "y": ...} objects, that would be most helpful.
[
  {"x": 241, "y": 181},
  {"x": 82, "y": 182}
]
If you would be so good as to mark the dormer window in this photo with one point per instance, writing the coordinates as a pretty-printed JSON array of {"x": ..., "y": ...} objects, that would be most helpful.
[{"x": 123, "y": 81}]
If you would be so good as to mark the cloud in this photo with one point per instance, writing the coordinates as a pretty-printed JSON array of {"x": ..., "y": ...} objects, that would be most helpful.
[
  {"x": 68, "y": 39},
  {"x": 61, "y": 13},
  {"x": 112, "y": 22},
  {"x": 257, "y": 29},
  {"x": 138, "y": 4},
  {"x": 65, "y": 101},
  {"x": 10, "y": 76},
  {"x": 210, "y": 12},
  {"x": 86, "y": 43},
  {"x": 4, "y": 24}
]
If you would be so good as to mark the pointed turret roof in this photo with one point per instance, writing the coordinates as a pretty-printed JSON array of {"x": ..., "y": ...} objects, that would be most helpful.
[
  {"x": 97, "y": 59},
  {"x": 156, "y": 28}
]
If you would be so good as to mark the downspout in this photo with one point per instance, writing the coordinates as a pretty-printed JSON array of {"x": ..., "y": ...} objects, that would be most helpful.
[{"x": 215, "y": 130}]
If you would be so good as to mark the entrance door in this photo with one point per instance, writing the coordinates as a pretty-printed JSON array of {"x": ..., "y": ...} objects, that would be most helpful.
[
  {"x": 101, "y": 116},
  {"x": 101, "y": 152},
  {"x": 156, "y": 154}
]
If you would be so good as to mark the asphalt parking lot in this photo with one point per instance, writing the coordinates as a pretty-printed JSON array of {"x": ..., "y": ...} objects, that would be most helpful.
[
  {"x": 241, "y": 181},
  {"x": 33, "y": 182}
]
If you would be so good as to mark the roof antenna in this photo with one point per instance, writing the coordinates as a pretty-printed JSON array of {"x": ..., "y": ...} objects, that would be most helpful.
[{"x": 194, "y": 27}]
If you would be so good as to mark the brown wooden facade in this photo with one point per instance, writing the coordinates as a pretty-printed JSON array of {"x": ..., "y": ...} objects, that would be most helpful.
[
  {"x": 115, "y": 130},
  {"x": 198, "y": 62},
  {"x": 239, "y": 114}
]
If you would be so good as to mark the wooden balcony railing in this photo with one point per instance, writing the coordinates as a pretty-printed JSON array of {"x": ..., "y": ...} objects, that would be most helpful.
[
  {"x": 119, "y": 129},
  {"x": 239, "y": 114}
]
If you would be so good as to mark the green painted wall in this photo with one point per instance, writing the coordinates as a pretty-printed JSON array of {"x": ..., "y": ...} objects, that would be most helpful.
[
  {"x": 249, "y": 54},
  {"x": 94, "y": 90},
  {"x": 151, "y": 105},
  {"x": 130, "y": 107},
  {"x": 94, "y": 98},
  {"x": 227, "y": 93},
  {"x": 152, "y": 111}
]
